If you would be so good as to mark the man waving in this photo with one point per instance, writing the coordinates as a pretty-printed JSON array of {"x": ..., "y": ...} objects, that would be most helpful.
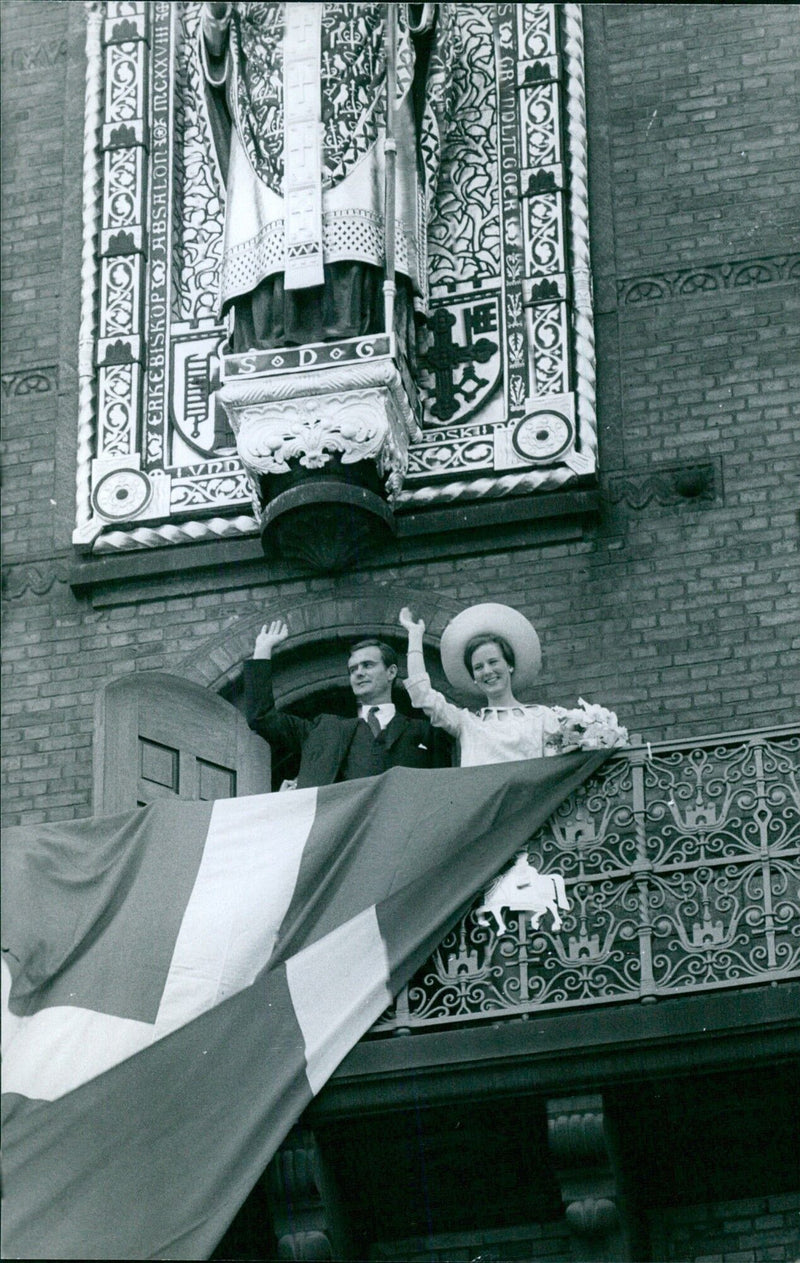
[{"x": 332, "y": 748}]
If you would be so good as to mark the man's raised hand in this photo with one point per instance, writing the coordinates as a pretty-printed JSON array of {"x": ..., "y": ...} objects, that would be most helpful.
[{"x": 269, "y": 637}]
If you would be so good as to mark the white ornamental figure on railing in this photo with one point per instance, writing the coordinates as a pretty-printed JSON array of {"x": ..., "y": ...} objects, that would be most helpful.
[{"x": 524, "y": 889}]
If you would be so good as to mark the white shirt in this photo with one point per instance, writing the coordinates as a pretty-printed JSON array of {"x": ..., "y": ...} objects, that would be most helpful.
[{"x": 385, "y": 712}]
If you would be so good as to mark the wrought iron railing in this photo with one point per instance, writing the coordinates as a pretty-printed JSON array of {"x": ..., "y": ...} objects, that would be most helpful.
[{"x": 681, "y": 866}]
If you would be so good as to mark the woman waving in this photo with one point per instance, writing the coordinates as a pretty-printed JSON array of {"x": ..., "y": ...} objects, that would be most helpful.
[{"x": 490, "y": 650}]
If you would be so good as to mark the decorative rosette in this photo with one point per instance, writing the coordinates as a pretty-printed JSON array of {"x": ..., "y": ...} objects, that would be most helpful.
[{"x": 588, "y": 727}]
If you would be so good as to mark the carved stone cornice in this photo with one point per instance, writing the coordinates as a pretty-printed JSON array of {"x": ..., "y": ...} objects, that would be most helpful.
[
  {"x": 705, "y": 278},
  {"x": 695, "y": 484},
  {"x": 324, "y": 443},
  {"x": 29, "y": 383},
  {"x": 27, "y": 577}
]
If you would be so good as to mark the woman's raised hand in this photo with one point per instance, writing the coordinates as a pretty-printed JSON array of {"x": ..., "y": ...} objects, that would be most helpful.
[
  {"x": 269, "y": 637},
  {"x": 411, "y": 624}
]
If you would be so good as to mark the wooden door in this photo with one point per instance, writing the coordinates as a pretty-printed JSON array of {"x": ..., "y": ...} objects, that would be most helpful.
[{"x": 157, "y": 735}]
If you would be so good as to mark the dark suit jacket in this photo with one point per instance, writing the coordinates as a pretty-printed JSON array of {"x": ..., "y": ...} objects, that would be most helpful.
[{"x": 323, "y": 742}]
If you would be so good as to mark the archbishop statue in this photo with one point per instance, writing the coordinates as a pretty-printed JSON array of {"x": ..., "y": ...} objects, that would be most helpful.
[{"x": 297, "y": 96}]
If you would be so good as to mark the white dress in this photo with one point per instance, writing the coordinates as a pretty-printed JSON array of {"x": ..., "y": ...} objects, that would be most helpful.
[{"x": 493, "y": 735}]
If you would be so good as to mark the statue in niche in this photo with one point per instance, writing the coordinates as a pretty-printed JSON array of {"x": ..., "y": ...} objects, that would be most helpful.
[{"x": 297, "y": 97}]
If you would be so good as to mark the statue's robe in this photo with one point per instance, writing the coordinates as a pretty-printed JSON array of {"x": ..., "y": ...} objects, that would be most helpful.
[{"x": 302, "y": 263}]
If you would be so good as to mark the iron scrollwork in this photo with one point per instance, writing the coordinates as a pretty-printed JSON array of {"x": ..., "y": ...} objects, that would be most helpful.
[{"x": 680, "y": 864}]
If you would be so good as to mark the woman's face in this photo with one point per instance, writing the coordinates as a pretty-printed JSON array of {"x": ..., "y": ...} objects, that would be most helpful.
[{"x": 490, "y": 671}]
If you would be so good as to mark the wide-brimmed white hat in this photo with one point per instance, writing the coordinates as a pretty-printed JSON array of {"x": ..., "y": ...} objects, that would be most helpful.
[{"x": 490, "y": 619}]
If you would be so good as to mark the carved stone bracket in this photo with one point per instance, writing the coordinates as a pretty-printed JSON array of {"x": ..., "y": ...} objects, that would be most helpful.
[
  {"x": 582, "y": 1153},
  {"x": 303, "y": 1219},
  {"x": 332, "y": 429}
]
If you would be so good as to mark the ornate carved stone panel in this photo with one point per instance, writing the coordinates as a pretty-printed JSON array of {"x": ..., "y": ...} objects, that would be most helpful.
[{"x": 506, "y": 359}]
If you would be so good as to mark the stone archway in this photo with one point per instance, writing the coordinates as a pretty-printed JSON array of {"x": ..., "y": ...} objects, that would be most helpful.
[
  {"x": 309, "y": 673},
  {"x": 320, "y": 630}
]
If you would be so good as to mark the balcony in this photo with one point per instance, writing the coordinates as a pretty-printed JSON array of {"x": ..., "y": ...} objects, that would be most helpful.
[{"x": 681, "y": 871}]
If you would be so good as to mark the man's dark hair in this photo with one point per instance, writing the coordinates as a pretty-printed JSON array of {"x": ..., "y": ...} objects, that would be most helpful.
[
  {"x": 387, "y": 652},
  {"x": 486, "y": 639}
]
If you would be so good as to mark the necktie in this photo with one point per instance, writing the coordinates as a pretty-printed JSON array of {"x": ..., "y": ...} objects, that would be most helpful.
[{"x": 373, "y": 721}]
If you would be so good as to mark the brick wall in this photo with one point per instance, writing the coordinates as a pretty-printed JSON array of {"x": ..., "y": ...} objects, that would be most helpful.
[
  {"x": 754, "y": 1230},
  {"x": 34, "y": 60},
  {"x": 679, "y": 612},
  {"x": 704, "y": 141}
]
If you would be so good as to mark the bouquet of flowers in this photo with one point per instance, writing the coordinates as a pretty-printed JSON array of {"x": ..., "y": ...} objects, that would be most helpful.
[{"x": 588, "y": 727}]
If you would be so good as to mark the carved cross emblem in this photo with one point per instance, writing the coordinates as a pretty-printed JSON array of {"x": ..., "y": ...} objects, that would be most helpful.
[{"x": 445, "y": 356}]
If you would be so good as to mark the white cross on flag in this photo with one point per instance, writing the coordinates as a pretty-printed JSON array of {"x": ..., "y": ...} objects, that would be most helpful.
[{"x": 185, "y": 977}]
